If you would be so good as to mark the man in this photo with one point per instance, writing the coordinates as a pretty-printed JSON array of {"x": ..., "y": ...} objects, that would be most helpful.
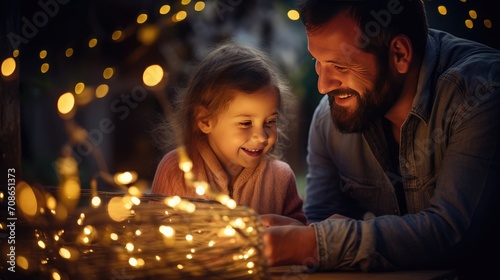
[{"x": 403, "y": 152}]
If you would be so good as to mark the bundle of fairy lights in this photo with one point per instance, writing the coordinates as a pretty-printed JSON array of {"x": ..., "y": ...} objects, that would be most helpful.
[
  {"x": 133, "y": 235},
  {"x": 162, "y": 237}
]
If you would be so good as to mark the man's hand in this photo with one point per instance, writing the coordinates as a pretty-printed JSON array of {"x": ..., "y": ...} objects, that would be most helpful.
[
  {"x": 278, "y": 220},
  {"x": 288, "y": 245}
]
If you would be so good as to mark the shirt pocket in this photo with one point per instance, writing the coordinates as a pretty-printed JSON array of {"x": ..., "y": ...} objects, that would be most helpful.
[{"x": 371, "y": 194}]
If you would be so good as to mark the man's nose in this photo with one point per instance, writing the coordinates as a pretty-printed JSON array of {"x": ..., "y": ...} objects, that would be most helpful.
[{"x": 327, "y": 79}]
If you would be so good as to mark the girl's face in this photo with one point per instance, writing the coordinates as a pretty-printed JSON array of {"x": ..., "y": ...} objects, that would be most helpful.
[{"x": 246, "y": 130}]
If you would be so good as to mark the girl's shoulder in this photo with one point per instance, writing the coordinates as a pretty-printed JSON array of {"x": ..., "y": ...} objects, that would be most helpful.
[{"x": 278, "y": 165}]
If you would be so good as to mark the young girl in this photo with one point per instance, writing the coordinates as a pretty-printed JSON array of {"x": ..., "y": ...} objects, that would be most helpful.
[{"x": 230, "y": 117}]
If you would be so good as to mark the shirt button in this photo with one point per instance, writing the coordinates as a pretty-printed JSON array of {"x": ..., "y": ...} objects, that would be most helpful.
[{"x": 407, "y": 165}]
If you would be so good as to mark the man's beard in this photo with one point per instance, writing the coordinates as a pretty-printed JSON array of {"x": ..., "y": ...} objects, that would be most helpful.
[{"x": 374, "y": 104}]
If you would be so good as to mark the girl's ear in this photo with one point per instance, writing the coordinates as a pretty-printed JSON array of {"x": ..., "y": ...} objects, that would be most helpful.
[
  {"x": 401, "y": 53},
  {"x": 202, "y": 119}
]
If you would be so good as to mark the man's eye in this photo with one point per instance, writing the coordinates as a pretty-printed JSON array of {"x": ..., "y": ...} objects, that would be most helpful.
[
  {"x": 246, "y": 124},
  {"x": 341, "y": 69}
]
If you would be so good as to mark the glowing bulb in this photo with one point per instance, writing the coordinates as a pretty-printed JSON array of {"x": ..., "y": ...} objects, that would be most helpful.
[
  {"x": 96, "y": 201},
  {"x": 293, "y": 15},
  {"x": 69, "y": 52},
  {"x": 43, "y": 54},
  {"x": 108, "y": 73},
  {"x": 167, "y": 231},
  {"x": 92, "y": 43},
  {"x": 44, "y": 68},
  {"x": 199, "y": 6},
  {"x": 130, "y": 247},
  {"x": 41, "y": 244},
  {"x": 172, "y": 201},
  {"x": 201, "y": 187},
  {"x": 442, "y": 10},
  {"x": 152, "y": 75},
  {"x": 66, "y": 103},
  {"x": 65, "y": 253},
  {"x": 473, "y": 14},
  {"x": 469, "y": 23},
  {"x": 116, "y": 35},
  {"x": 125, "y": 178},
  {"x": 164, "y": 9},
  {"x": 142, "y": 18},
  {"x": 179, "y": 16},
  {"x": 8, "y": 66}
]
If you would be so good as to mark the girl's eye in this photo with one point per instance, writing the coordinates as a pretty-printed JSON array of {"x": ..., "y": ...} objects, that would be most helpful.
[
  {"x": 246, "y": 124},
  {"x": 271, "y": 122}
]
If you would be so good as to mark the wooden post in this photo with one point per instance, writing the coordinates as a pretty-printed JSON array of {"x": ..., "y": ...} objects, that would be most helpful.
[{"x": 10, "y": 135}]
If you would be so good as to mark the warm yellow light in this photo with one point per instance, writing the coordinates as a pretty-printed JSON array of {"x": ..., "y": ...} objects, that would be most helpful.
[
  {"x": 43, "y": 54},
  {"x": 69, "y": 52},
  {"x": 180, "y": 266},
  {"x": 211, "y": 243},
  {"x": 96, "y": 201},
  {"x": 469, "y": 23},
  {"x": 126, "y": 177},
  {"x": 487, "y": 23},
  {"x": 142, "y": 18},
  {"x": 442, "y": 10},
  {"x": 132, "y": 261},
  {"x": 167, "y": 231},
  {"x": 108, "y": 73},
  {"x": 473, "y": 14},
  {"x": 117, "y": 210},
  {"x": 189, "y": 237},
  {"x": 56, "y": 276},
  {"x": 185, "y": 2},
  {"x": 22, "y": 262},
  {"x": 293, "y": 15},
  {"x": 66, "y": 103},
  {"x": 79, "y": 87},
  {"x": 101, "y": 91},
  {"x": 250, "y": 265},
  {"x": 201, "y": 187},
  {"x": 135, "y": 191},
  {"x": 44, "y": 68},
  {"x": 114, "y": 236},
  {"x": 229, "y": 231},
  {"x": 179, "y": 16},
  {"x": 130, "y": 247},
  {"x": 199, "y": 6},
  {"x": 164, "y": 9},
  {"x": 138, "y": 232},
  {"x": 148, "y": 34},
  {"x": 152, "y": 75},
  {"x": 117, "y": 35},
  {"x": 8, "y": 66},
  {"x": 26, "y": 200},
  {"x": 15, "y": 53},
  {"x": 41, "y": 244},
  {"x": 51, "y": 202},
  {"x": 92, "y": 42},
  {"x": 173, "y": 201},
  {"x": 65, "y": 253}
]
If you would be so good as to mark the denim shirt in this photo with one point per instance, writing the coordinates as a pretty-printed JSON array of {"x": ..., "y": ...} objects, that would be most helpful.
[{"x": 449, "y": 160}]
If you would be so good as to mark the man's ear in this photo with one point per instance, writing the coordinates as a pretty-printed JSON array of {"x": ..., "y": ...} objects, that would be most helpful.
[
  {"x": 202, "y": 120},
  {"x": 401, "y": 53}
]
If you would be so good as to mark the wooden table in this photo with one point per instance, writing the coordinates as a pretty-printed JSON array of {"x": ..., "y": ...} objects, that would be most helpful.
[{"x": 299, "y": 273}]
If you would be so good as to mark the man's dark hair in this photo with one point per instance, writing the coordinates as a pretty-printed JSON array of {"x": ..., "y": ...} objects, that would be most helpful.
[{"x": 378, "y": 20}]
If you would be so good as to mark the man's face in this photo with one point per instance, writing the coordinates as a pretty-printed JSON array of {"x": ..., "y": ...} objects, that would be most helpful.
[{"x": 360, "y": 89}]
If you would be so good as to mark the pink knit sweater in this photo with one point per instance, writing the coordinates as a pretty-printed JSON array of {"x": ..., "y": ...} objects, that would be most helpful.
[{"x": 269, "y": 188}]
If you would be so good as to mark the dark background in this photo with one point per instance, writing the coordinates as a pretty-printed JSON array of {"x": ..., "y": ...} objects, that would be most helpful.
[{"x": 133, "y": 145}]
